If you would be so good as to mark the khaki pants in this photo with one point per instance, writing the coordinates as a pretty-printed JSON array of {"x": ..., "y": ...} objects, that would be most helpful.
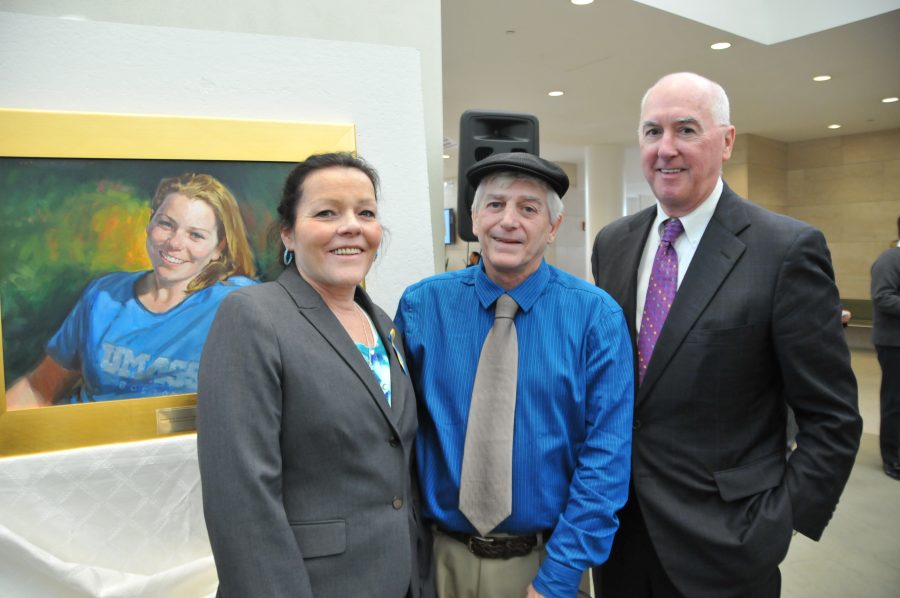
[{"x": 461, "y": 574}]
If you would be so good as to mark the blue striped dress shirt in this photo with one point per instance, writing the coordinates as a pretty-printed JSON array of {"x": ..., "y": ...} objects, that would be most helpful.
[{"x": 574, "y": 405}]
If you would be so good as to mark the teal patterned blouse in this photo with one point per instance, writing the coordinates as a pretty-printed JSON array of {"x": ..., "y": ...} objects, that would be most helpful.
[{"x": 378, "y": 361}]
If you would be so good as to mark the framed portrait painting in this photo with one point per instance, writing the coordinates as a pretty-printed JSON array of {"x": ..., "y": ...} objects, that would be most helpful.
[{"x": 96, "y": 212}]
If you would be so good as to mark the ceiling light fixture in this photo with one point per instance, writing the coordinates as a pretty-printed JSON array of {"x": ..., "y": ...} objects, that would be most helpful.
[
  {"x": 581, "y": 2},
  {"x": 834, "y": 126},
  {"x": 890, "y": 100},
  {"x": 556, "y": 94},
  {"x": 720, "y": 46},
  {"x": 820, "y": 78}
]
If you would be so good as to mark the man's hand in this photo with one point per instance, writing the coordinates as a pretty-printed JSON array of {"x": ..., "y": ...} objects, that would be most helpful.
[{"x": 532, "y": 593}]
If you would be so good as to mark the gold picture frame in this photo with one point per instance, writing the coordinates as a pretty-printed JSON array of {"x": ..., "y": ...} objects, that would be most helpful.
[{"x": 46, "y": 134}]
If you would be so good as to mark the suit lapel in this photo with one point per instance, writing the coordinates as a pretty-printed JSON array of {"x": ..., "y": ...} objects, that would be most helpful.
[
  {"x": 628, "y": 256},
  {"x": 718, "y": 252},
  {"x": 313, "y": 309},
  {"x": 398, "y": 394}
]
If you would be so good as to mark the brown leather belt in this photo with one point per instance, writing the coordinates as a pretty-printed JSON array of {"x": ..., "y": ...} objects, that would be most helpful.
[{"x": 498, "y": 547}]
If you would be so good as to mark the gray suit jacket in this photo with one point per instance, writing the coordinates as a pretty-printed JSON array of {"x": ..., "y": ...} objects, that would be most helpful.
[
  {"x": 886, "y": 299},
  {"x": 755, "y": 327},
  {"x": 307, "y": 476}
]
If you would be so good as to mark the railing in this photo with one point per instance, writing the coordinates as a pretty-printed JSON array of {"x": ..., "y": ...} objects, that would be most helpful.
[{"x": 861, "y": 310}]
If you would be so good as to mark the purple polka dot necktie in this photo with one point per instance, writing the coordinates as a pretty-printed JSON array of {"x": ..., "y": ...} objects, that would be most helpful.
[{"x": 660, "y": 294}]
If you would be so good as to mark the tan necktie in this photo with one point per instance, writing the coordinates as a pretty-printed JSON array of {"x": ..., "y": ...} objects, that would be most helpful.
[{"x": 485, "y": 488}]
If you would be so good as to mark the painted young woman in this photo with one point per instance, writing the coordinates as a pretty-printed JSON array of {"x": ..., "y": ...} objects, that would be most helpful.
[{"x": 135, "y": 334}]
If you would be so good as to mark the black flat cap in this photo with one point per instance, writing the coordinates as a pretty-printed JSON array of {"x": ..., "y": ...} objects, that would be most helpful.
[{"x": 522, "y": 162}]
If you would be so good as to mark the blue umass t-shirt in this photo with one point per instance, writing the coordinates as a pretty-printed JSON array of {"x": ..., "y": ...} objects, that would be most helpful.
[{"x": 123, "y": 350}]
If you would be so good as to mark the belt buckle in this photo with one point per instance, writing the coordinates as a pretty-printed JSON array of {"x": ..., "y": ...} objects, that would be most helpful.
[{"x": 482, "y": 540}]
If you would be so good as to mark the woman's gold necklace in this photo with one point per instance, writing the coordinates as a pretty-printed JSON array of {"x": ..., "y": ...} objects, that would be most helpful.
[{"x": 366, "y": 333}]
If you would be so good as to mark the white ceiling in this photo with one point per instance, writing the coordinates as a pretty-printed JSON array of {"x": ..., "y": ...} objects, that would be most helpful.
[
  {"x": 773, "y": 21},
  {"x": 506, "y": 55}
]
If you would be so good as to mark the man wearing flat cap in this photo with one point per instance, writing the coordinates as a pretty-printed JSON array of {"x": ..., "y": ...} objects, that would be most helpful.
[{"x": 524, "y": 376}]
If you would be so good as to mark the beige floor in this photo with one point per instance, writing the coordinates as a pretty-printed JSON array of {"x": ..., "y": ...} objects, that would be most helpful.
[
  {"x": 868, "y": 378},
  {"x": 859, "y": 554}
]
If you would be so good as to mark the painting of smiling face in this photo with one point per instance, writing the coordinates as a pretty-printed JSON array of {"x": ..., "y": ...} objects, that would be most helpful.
[{"x": 182, "y": 238}]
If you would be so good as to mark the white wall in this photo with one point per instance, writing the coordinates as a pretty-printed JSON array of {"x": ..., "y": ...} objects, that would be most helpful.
[
  {"x": 408, "y": 23},
  {"x": 638, "y": 194},
  {"x": 51, "y": 63},
  {"x": 569, "y": 247}
]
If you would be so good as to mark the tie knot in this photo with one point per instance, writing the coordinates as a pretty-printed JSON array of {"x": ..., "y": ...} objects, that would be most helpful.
[
  {"x": 506, "y": 307},
  {"x": 672, "y": 230}
]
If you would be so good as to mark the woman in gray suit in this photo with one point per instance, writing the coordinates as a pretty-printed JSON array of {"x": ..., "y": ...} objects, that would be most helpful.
[{"x": 306, "y": 415}]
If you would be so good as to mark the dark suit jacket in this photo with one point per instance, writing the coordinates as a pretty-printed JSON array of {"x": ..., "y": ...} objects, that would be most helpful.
[
  {"x": 886, "y": 299},
  {"x": 755, "y": 326},
  {"x": 306, "y": 470}
]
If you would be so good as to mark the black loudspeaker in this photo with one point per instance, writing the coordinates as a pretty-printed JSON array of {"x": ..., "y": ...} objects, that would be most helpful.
[{"x": 482, "y": 134}]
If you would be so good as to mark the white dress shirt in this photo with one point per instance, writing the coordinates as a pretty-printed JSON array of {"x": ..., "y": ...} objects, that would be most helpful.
[{"x": 685, "y": 245}]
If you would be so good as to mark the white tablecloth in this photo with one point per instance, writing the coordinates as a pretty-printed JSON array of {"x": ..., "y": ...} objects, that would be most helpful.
[{"x": 120, "y": 520}]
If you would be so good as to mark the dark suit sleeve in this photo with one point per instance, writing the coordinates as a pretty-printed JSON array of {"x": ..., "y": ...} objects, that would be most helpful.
[
  {"x": 886, "y": 283},
  {"x": 818, "y": 382},
  {"x": 424, "y": 539},
  {"x": 239, "y": 410},
  {"x": 595, "y": 259}
]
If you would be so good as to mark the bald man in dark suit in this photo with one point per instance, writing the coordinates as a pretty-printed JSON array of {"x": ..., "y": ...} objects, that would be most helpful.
[{"x": 754, "y": 327}]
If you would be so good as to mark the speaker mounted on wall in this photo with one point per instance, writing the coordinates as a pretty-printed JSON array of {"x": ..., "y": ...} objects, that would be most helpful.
[{"x": 482, "y": 134}]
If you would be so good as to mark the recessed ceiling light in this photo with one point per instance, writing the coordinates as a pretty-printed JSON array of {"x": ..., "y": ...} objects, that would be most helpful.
[
  {"x": 556, "y": 94},
  {"x": 446, "y": 156},
  {"x": 720, "y": 46},
  {"x": 890, "y": 100},
  {"x": 834, "y": 126},
  {"x": 581, "y": 2},
  {"x": 820, "y": 78}
]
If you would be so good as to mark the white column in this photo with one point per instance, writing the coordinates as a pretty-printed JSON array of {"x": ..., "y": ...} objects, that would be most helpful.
[{"x": 604, "y": 191}]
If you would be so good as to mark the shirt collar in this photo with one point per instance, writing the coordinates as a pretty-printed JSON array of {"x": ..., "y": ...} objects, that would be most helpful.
[
  {"x": 696, "y": 221},
  {"x": 525, "y": 295}
]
